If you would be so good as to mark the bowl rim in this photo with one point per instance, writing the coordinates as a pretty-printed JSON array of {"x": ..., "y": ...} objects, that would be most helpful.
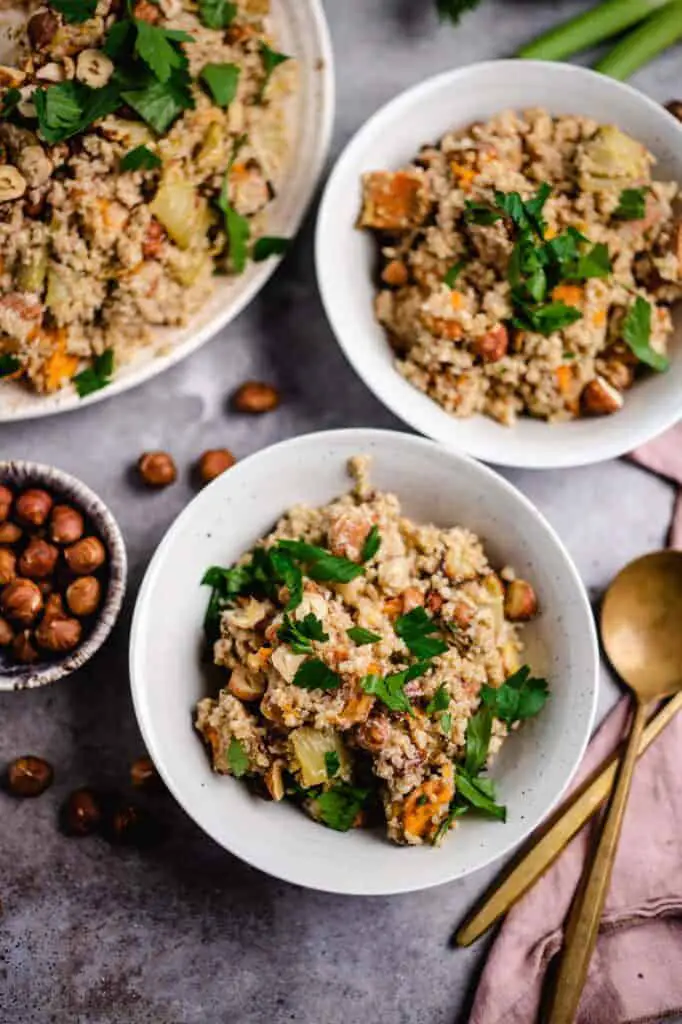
[
  {"x": 67, "y": 401},
  {"x": 58, "y": 479},
  {"x": 138, "y": 684},
  {"x": 433, "y": 421}
]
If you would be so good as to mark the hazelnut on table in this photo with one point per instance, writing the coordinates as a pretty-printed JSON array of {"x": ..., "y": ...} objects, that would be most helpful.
[
  {"x": 29, "y": 776},
  {"x": 33, "y": 507},
  {"x": 21, "y": 601},
  {"x": 81, "y": 813},
  {"x": 66, "y": 525},
  {"x": 143, "y": 774},
  {"x": 213, "y": 463},
  {"x": 255, "y": 397},
  {"x": 85, "y": 556},
  {"x": 157, "y": 469}
]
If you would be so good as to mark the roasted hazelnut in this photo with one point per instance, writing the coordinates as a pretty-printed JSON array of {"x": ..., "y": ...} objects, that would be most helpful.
[
  {"x": 255, "y": 397},
  {"x": 85, "y": 556},
  {"x": 38, "y": 559},
  {"x": 130, "y": 825},
  {"x": 66, "y": 525},
  {"x": 143, "y": 774},
  {"x": 675, "y": 108},
  {"x": 29, "y": 776},
  {"x": 33, "y": 507},
  {"x": 157, "y": 469},
  {"x": 600, "y": 398},
  {"x": 373, "y": 734},
  {"x": 41, "y": 29},
  {"x": 6, "y": 633},
  {"x": 214, "y": 462},
  {"x": 23, "y": 648},
  {"x": 6, "y": 498},
  {"x": 8, "y": 566},
  {"x": 81, "y": 813},
  {"x": 58, "y": 633},
  {"x": 21, "y": 601},
  {"x": 10, "y": 533},
  {"x": 83, "y": 595}
]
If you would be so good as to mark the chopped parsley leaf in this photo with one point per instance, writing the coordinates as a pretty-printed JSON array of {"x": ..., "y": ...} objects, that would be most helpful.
[
  {"x": 75, "y": 11},
  {"x": 158, "y": 48},
  {"x": 520, "y": 697},
  {"x": 637, "y": 335},
  {"x": 9, "y": 364},
  {"x": 271, "y": 60},
  {"x": 269, "y": 245},
  {"x": 415, "y": 630},
  {"x": 315, "y": 675},
  {"x": 390, "y": 690},
  {"x": 339, "y": 806},
  {"x": 454, "y": 272},
  {"x": 631, "y": 204},
  {"x": 217, "y": 13},
  {"x": 140, "y": 159},
  {"x": 66, "y": 108},
  {"x": 371, "y": 544},
  {"x": 362, "y": 636},
  {"x": 222, "y": 81},
  {"x": 320, "y": 564},
  {"x": 332, "y": 763},
  {"x": 479, "y": 730},
  {"x": 97, "y": 376},
  {"x": 300, "y": 635},
  {"x": 237, "y": 758},
  {"x": 478, "y": 793},
  {"x": 440, "y": 700},
  {"x": 237, "y": 228}
]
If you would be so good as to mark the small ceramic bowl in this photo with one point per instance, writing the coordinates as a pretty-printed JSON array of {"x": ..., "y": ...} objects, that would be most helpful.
[
  {"x": 65, "y": 488},
  {"x": 434, "y": 485},
  {"x": 346, "y": 257}
]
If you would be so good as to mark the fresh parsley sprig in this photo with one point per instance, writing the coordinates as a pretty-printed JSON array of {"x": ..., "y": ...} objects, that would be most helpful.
[
  {"x": 75, "y": 11},
  {"x": 339, "y": 806},
  {"x": 416, "y": 629},
  {"x": 237, "y": 758},
  {"x": 140, "y": 159},
  {"x": 320, "y": 564},
  {"x": 371, "y": 544},
  {"x": 315, "y": 675},
  {"x": 9, "y": 364},
  {"x": 361, "y": 636},
  {"x": 521, "y": 696},
  {"x": 300, "y": 635},
  {"x": 631, "y": 204},
  {"x": 390, "y": 689},
  {"x": 637, "y": 335},
  {"x": 97, "y": 376}
]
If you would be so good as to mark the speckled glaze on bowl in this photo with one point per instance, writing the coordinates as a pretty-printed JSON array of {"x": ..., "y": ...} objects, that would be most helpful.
[
  {"x": 67, "y": 488},
  {"x": 434, "y": 484}
]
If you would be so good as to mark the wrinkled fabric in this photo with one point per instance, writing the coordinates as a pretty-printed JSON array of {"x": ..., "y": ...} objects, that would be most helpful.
[{"x": 636, "y": 972}]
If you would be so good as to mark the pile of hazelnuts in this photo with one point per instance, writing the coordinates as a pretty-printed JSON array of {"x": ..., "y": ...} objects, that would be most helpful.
[{"x": 50, "y": 574}]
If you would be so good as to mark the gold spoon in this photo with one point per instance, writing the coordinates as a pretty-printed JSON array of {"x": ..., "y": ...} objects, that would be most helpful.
[{"x": 641, "y": 625}]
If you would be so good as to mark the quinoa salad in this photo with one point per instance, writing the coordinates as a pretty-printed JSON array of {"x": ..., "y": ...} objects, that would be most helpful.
[
  {"x": 375, "y": 667},
  {"x": 527, "y": 266},
  {"x": 141, "y": 145}
]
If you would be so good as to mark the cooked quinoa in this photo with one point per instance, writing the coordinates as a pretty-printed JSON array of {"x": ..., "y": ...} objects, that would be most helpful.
[
  {"x": 321, "y": 706},
  {"x": 462, "y": 296},
  {"x": 101, "y": 241}
]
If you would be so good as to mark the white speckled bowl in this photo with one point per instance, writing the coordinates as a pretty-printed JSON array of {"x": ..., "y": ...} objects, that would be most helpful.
[
  {"x": 346, "y": 257},
  {"x": 433, "y": 484},
  {"x": 67, "y": 488}
]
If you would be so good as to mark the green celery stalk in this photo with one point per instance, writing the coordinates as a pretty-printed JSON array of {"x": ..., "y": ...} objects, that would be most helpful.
[
  {"x": 655, "y": 34},
  {"x": 590, "y": 28}
]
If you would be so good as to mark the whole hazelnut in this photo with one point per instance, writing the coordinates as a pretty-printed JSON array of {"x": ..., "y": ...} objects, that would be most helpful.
[
  {"x": 8, "y": 566},
  {"x": 157, "y": 469},
  {"x": 10, "y": 533},
  {"x": 83, "y": 595},
  {"x": 6, "y": 499},
  {"x": 29, "y": 776},
  {"x": 41, "y": 28},
  {"x": 675, "y": 108},
  {"x": 21, "y": 601},
  {"x": 130, "y": 825},
  {"x": 6, "y": 633},
  {"x": 85, "y": 556},
  {"x": 81, "y": 813},
  {"x": 255, "y": 397},
  {"x": 33, "y": 507},
  {"x": 23, "y": 648},
  {"x": 57, "y": 633},
  {"x": 214, "y": 462},
  {"x": 66, "y": 525},
  {"x": 38, "y": 559},
  {"x": 143, "y": 774}
]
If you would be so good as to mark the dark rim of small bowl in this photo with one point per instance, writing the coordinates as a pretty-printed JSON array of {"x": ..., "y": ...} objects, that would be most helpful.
[{"x": 18, "y": 474}]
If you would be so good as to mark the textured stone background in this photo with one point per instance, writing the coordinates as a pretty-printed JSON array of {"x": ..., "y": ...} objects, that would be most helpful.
[{"x": 186, "y": 934}]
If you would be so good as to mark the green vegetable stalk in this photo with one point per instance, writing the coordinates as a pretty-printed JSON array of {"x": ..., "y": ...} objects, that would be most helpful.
[
  {"x": 592, "y": 27},
  {"x": 653, "y": 36}
]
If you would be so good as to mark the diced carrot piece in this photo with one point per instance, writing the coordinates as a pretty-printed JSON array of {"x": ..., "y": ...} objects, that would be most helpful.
[
  {"x": 442, "y": 328},
  {"x": 393, "y": 202},
  {"x": 456, "y": 300},
  {"x": 59, "y": 366},
  {"x": 599, "y": 317},
  {"x": 426, "y": 804},
  {"x": 395, "y": 274},
  {"x": 570, "y": 294}
]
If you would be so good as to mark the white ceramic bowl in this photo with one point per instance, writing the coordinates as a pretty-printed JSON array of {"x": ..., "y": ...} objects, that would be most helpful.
[
  {"x": 434, "y": 485},
  {"x": 301, "y": 29},
  {"x": 346, "y": 257}
]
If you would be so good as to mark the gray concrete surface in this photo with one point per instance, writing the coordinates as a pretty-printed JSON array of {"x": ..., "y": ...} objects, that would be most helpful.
[{"x": 185, "y": 934}]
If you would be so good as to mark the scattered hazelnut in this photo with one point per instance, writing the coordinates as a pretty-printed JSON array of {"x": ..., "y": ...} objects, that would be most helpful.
[
  {"x": 255, "y": 397},
  {"x": 214, "y": 462},
  {"x": 157, "y": 469},
  {"x": 8, "y": 566},
  {"x": 493, "y": 345},
  {"x": 600, "y": 398},
  {"x": 81, "y": 813},
  {"x": 10, "y": 533},
  {"x": 29, "y": 776},
  {"x": 21, "y": 601},
  {"x": 83, "y": 595},
  {"x": 246, "y": 686},
  {"x": 33, "y": 507},
  {"x": 85, "y": 556},
  {"x": 38, "y": 559},
  {"x": 6, "y": 633},
  {"x": 520, "y": 602},
  {"x": 66, "y": 525},
  {"x": 57, "y": 633},
  {"x": 143, "y": 774},
  {"x": 373, "y": 734},
  {"x": 675, "y": 108},
  {"x": 132, "y": 826},
  {"x": 23, "y": 649},
  {"x": 6, "y": 498},
  {"x": 41, "y": 28}
]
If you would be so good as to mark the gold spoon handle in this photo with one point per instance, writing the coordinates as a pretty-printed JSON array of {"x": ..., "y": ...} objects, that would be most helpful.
[
  {"x": 585, "y": 915},
  {"x": 545, "y": 850}
]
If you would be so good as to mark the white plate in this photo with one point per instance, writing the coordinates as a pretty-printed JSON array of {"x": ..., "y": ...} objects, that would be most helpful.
[
  {"x": 301, "y": 29},
  {"x": 434, "y": 484},
  {"x": 346, "y": 257}
]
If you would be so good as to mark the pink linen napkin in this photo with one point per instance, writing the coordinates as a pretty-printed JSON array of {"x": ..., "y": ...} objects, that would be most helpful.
[{"x": 636, "y": 972}]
